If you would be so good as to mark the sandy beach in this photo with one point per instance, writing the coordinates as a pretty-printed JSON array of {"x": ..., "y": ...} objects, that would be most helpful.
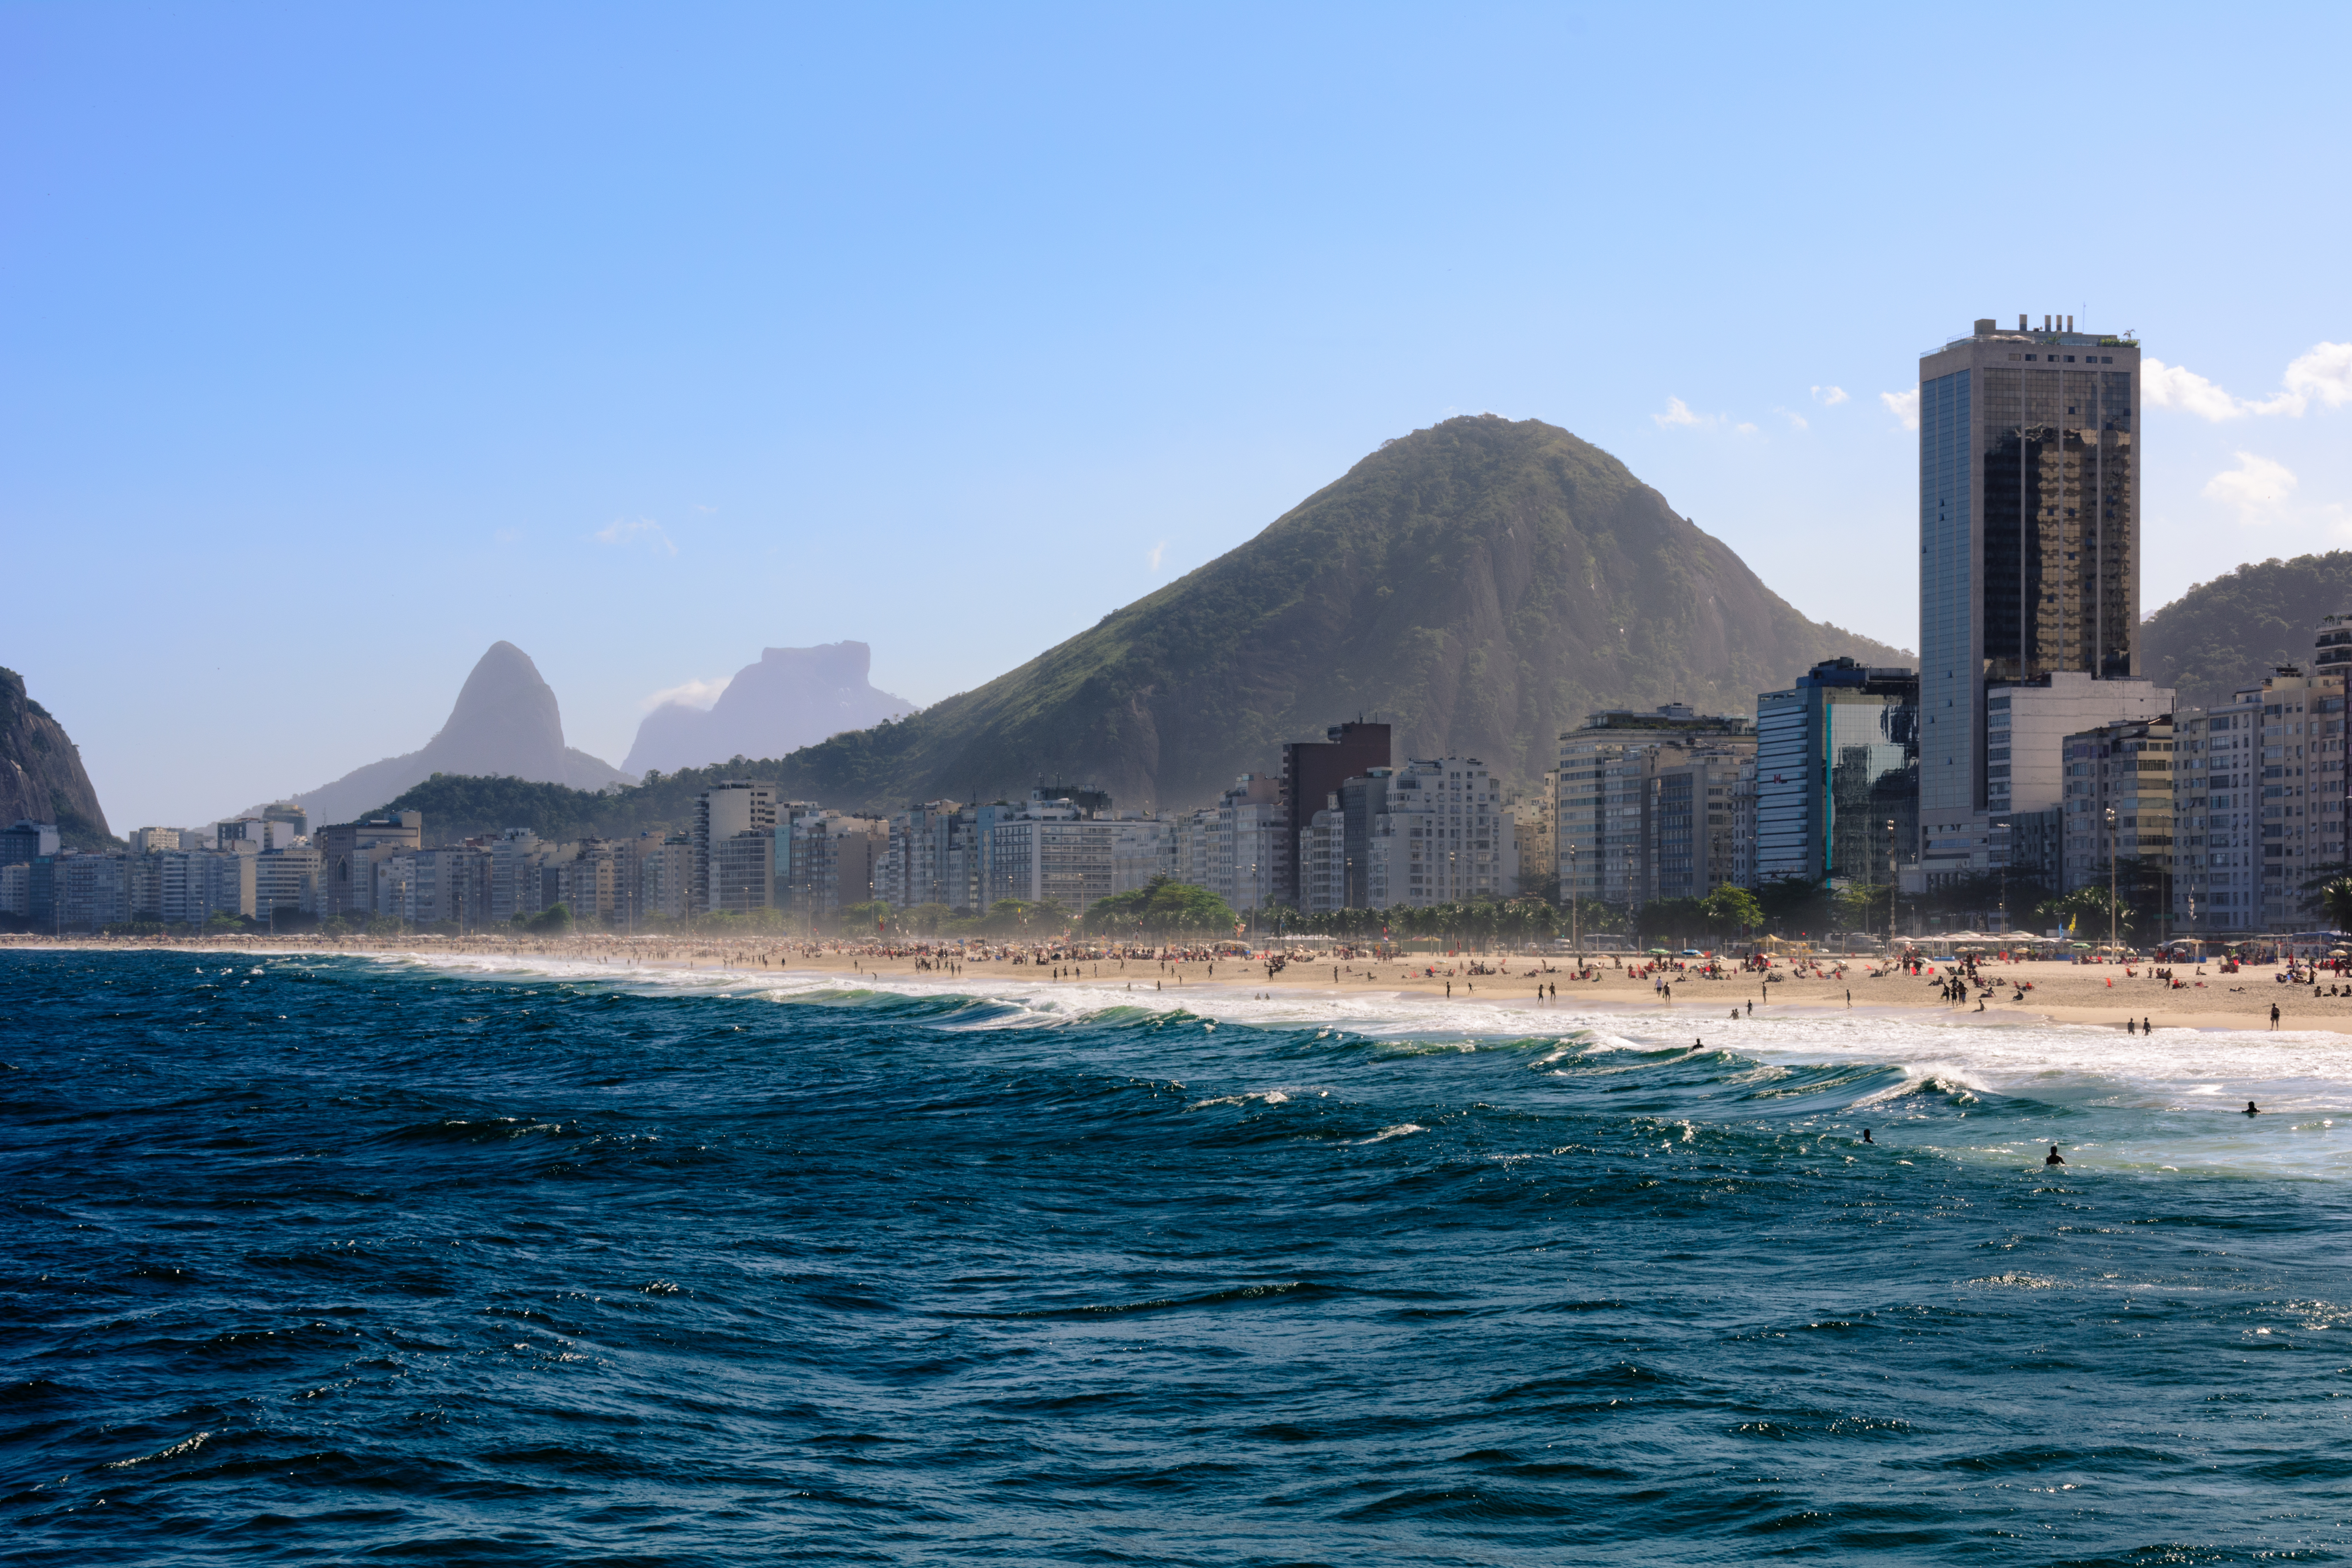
[{"x": 2203, "y": 998}]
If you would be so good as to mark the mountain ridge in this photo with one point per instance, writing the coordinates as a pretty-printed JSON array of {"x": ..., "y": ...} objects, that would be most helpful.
[{"x": 1483, "y": 582}]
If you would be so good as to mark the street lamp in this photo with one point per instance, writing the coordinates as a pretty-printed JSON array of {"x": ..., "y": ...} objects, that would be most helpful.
[
  {"x": 1575, "y": 939},
  {"x": 1632, "y": 904},
  {"x": 2111, "y": 884},
  {"x": 1890, "y": 888},
  {"x": 2003, "y": 826}
]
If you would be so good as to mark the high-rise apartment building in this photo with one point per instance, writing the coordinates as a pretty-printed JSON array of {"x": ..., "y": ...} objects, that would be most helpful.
[
  {"x": 2261, "y": 804},
  {"x": 2028, "y": 556},
  {"x": 726, "y": 811},
  {"x": 1607, "y": 785},
  {"x": 2118, "y": 807}
]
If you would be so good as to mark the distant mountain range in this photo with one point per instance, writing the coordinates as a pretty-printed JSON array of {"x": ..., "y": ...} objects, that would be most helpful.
[
  {"x": 2242, "y": 625},
  {"x": 1481, "y": 584},
  {"x": 793, "y": 697},
  {"x": 505, "y": 722},
  {"x": 41, "y": 774}
]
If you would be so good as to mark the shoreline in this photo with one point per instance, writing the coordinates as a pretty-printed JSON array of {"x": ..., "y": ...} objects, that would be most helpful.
[{"x": 2063, "y": 993}]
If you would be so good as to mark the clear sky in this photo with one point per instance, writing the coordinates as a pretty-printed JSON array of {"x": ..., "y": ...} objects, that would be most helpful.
[{"x": 340, "y": 342}]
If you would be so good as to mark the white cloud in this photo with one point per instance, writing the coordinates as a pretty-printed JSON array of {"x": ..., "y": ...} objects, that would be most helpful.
[
  {"x": 2323, "y": 375},
  {"x": 2166, "y": 385},
  {"x": 1829, "y": 396},
  {"x": 643, "y": 531},
  {"x": 2257, "y": 489},
  {"x": 1904, "y": 406},
  {"x": 1155, "y": 552},
  {"x": 693, "y": 694},
  {"x": 1678, "y": 413},
  {"x": 1795, "y": 420},
  {"x": 1745, "y": 429}
]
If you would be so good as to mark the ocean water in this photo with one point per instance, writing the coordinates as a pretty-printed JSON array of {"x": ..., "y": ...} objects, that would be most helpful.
[{"x": 333, "y": 1260}]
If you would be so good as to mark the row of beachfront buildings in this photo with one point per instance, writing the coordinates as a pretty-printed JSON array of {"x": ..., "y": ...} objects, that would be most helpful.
[
  {"x": 2233, "y": 808},
  {"x": 1428, "y": 832},
  {"x": 2221, "y": 814}
]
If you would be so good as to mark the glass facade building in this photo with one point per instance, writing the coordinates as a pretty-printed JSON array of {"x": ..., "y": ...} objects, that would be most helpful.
[
  {"x": 2029, "y": 546},
  {"x": 1837, "y": 758}
]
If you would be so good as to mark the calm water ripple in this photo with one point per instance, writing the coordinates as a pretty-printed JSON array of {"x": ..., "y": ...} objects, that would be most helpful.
[{"x": 320, "y": 1259}]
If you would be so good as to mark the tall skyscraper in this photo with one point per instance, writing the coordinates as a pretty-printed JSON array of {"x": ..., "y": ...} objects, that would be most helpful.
[{"x": 2028, "y": 563}]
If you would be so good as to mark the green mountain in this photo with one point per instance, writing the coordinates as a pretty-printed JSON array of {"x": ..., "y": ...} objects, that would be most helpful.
[
  {"x": 1481, "y": 584},
  {"x": 2236, "y": 628},
  {"x": 41, "y": 774}
]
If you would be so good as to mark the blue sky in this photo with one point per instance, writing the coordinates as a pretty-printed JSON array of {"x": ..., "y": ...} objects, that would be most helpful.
[{"x": 341, "y": 342}]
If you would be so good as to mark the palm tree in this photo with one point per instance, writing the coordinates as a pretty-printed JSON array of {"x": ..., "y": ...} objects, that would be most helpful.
[{"x": 2335, "y": 902}]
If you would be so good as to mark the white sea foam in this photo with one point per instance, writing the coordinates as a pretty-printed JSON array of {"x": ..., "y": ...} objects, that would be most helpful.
[{"x": 2302, "y": 1079}]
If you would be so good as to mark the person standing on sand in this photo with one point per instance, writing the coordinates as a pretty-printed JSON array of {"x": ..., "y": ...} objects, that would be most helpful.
[{"x": 2274, "y": 1014}]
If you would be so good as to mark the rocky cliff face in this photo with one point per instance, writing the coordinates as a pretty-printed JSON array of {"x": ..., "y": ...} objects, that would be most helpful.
[
  {"x": 505, "y": 723},
  {"x": 793, "y": 697},
  {"x": 1481, "y": 584},
  {"x": 41, "y": 774}
]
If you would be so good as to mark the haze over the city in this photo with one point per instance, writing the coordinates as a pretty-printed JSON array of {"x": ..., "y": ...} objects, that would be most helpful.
[{"x": 345, "y": 344}]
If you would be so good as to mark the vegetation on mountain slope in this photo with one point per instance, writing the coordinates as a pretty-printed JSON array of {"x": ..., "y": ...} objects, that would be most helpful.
[
  {"x": 2236, "y": 628},
  {"x": 1481, "y": 584}
]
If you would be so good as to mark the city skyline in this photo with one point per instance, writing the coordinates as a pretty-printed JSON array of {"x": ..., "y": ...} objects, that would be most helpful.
[{"x": 620, "y": 321}]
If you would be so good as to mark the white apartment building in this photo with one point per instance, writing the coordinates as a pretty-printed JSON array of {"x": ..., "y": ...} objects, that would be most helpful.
[
  {"x": 1442, "y": 836},
  {"x": 193, "y": 885},
  {"x": 2262, "y": 806},
  {"x": 1054, "y": 849},
  {"x": 1141, "y": 847},
  {"x": 92, "y": 890},
  {"x": 1601, "y": 818},
  {"x": 1323, "y": 860},
  {"x": 287, "y": 879}
]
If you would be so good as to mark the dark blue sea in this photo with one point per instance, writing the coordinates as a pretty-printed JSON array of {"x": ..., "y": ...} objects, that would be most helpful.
[{"x": 348, "y": 1259}]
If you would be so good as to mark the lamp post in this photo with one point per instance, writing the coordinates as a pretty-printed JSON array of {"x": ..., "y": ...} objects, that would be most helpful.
[
  {"x": 2111, "y": 884},
  {"x": 2004, "y": 877},
  {"x": 1632, "y": 904},
  {"x": 1890, "y": 888},
  {"x": 1575, "y": 940}
]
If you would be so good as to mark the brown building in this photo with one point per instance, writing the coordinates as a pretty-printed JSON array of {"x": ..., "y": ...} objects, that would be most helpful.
[{"x": 1312, "y": 772}]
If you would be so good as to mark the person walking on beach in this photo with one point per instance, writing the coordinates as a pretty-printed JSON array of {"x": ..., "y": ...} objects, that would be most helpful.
[{"x": 2274, "y": 1014}]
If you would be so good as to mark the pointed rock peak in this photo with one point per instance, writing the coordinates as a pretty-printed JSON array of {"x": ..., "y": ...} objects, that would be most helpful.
[{"x": 506, "y": 689}]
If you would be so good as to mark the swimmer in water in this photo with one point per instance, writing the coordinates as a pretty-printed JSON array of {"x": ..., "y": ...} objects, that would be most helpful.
[
  {"x": 1866, "y": 1137},
  {"x": 2056, "y": 1158},
  {"x": 2253, "y": 1109}
]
